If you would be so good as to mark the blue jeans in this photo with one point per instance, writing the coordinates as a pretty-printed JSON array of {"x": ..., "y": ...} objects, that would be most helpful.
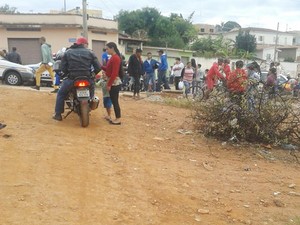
[
  {"x": 62, "y": 94},
  {"x": 150, "y": 79},
  {"x": 57, "y": 78},
  {"x": 187, "y": 86},
  {"x": 162, "y": 78}
]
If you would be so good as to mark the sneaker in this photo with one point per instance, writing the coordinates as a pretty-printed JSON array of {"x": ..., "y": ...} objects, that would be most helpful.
[
  {"x": 54, "y": 91},
  {"x": 36, "y": 88},
  {"x": 57, "y": 117},
  {"x": 2, "y": 126}
]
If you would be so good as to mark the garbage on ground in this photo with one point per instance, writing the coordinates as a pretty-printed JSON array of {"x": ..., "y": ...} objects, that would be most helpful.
[
  {"x": 185, "y": 132},
  {"x": 289, "y": 147}
]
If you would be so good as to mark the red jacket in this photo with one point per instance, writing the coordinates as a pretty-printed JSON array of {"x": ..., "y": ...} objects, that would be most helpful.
[
  {"x": 237, "y": 80},
  {"x": 212, "y": 74},
  {"x": 226, "y": 70},
  {"x": 112, "y": 69}
]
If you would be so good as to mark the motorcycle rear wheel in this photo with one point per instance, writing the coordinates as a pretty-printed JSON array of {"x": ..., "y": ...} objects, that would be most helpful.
[{"x": 84, "y": 113}]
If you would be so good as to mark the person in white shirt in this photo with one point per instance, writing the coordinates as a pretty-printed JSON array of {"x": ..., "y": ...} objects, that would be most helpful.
[{"x": 177, "y": 71}]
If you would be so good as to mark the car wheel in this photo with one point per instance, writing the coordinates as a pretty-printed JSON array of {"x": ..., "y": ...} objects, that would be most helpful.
[{"x": 13, "y": 78}]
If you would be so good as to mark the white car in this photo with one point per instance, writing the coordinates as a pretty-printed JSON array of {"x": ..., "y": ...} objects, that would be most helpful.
[{"x": 15, "y": 74}]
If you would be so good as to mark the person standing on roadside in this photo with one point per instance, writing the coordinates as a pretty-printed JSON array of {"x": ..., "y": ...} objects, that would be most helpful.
[
  {"x": 106, "y": 97},
  {"x": 150, "y": 65},
  {"x": 4, "y": 54},
  {"x": 114, "y": 72},
  {"x": 135, "y": 70},
  {"x": 14, "y": 56},
  {"x": 162, "y": 71},
  {"x": 47, "y": 60},
  {"x": 271, "y": 82},
  {"x": 104, "y": 57},
  {"x": 199, "y": 78},
  {"x": 177, "y": 69},
  {"x": 188, "y": 77}
]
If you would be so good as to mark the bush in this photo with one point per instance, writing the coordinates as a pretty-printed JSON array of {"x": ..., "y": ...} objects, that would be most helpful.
[{"x": 253, "y": 117}]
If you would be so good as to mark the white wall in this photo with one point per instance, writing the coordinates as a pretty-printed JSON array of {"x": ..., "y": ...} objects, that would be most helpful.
[
  {"x": 286, "y": 67},
  {"x": 268, "y": 38}
]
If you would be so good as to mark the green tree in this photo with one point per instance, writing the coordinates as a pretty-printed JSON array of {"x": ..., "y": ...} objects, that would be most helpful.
[
  {"x": 209, "y": 47},
  {"x": 229, "y": 25},
  {"x": 184, "y": 27},
  {"x": 173, "y": 31},
  {"x": 130, "y": 21},
  {"x": 245, "y": 41},
  {"x": 165, "y": 34},
  {"x": 8, "y": 10},
  {"x": 203, "y": 45}
]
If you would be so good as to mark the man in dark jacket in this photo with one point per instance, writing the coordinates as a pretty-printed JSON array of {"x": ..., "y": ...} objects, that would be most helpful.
[
  {"x": 77, "y": 61},
  {"x": 135, "y": 69},
  {"x": 14, "y": 56}
]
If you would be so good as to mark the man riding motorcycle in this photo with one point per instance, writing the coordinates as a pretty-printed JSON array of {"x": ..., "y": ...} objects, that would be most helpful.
[{"x": 77, "y": 61}]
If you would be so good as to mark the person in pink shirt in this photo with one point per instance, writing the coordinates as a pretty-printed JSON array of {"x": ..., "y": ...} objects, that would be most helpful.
[{"x": 188, "y": 77}]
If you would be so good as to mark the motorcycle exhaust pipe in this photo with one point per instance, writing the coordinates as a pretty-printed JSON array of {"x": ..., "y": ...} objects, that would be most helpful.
[{"x": 94, "y": 103}]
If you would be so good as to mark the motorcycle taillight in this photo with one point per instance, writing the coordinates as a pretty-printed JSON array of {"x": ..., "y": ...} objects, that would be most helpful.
[{"x": 81, "y": 83}]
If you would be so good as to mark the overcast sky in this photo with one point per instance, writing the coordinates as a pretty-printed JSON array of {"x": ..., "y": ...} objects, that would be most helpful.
[{"x": 254, "y": 13}]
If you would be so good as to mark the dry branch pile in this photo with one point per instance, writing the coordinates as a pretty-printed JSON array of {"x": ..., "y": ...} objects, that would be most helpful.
[{"x": 253, "y": 117}]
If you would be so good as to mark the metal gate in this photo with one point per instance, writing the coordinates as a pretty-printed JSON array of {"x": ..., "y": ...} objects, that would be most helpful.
[
  {"x": 98, "y": 49},
  {"x": 28, "y": 48}
]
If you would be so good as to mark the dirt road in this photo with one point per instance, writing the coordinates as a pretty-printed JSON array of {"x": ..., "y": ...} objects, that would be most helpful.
[{"x": 142, "y": 172}]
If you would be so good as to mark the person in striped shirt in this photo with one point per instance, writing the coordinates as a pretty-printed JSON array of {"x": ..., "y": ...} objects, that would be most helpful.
[{"x": 188, "y": 77}]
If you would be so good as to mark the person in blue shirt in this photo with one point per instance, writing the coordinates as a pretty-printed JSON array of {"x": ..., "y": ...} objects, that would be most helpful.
[
  {"x": 162, "y": 71},
  {"x": 104, "y": 57},
  {"x": 149, "y": 66}
]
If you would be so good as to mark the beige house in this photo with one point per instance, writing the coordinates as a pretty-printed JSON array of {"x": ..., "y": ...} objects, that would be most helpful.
[{"x": 60, "y": 30}]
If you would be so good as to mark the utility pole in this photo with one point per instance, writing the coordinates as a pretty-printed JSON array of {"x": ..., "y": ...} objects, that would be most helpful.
[
  {"x": 65, "y": 6},
  {"x": 84, "y": 16},
  {"x": 276, "y": 43}
]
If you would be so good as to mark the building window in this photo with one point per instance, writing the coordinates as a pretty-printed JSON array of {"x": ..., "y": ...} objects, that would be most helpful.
[
  {"x": 202, "y": 30},
  {"x": 211, "y": 30},
  {"x": 260, "y": 38}
]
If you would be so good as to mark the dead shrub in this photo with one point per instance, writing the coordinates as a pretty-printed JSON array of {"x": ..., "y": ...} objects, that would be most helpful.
[{"x": 253, "y": 117}]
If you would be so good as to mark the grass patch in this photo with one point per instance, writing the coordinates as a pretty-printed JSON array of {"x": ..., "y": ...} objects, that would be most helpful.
[
  {"x": 179, "y": 103},
  {"x": 295, "y": 221}
]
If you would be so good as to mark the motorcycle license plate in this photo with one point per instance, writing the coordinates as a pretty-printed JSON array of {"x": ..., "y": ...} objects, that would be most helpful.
[{"x": 83, "y": 93}]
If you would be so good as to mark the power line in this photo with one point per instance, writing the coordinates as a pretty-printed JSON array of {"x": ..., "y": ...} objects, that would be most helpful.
[{"x": 106, "y": 7}]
